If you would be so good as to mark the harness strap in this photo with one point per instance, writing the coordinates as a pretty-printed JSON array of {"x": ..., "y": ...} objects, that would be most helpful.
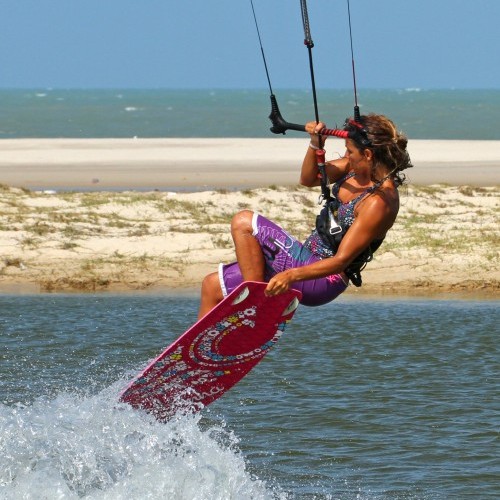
[
  {"x": 325, "y": 190},
  {"x": 333, "y": 238}
]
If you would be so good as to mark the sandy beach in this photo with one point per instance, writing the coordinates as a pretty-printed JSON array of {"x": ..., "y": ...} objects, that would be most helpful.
[
  {"x": 184, "y": 164},
  {"x": 154, "y": 214}
]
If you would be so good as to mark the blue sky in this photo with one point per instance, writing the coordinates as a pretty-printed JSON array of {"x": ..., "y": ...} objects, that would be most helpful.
[{"x": 213, "y": 44}]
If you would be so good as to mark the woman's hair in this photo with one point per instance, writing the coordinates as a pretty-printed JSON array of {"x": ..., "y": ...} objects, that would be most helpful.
[{"x": 379, "y": 134}]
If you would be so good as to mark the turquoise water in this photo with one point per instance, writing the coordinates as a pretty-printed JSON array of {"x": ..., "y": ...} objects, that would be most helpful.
[
  {"x": 122, "y": 113},
  {"x": 360, "y": 399}
]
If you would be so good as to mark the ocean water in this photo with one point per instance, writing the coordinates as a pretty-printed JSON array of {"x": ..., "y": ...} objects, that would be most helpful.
[
  {"x": 122, "y": 113},
  {"x": 362, "y": 399}
]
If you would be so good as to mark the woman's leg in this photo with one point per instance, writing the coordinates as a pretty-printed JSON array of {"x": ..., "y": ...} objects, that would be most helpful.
[
  {"x": 250, "y": 260},
  {"x": 211, "y": 294},
  {"x": 248, "y": 250}
]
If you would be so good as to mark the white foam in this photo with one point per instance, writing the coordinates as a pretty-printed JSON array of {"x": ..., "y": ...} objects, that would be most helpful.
[{"x": 75, "y": 446}]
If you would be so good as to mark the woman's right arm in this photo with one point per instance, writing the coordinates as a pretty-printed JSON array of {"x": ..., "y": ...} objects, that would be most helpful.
[{"x": 309, "y": 174}]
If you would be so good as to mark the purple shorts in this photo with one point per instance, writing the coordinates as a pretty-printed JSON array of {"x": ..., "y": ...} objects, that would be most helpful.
[{"x": 282, "y": 252}]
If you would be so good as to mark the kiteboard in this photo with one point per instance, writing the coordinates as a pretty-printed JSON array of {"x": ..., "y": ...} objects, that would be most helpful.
[{"x": 214, "y": 354}]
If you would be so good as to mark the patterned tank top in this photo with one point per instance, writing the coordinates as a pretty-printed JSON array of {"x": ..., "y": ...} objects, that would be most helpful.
[{"x": 345, "y": 218}]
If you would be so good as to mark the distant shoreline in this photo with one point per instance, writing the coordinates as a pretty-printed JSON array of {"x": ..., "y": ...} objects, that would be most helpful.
[{"x": 201, "y": 164}]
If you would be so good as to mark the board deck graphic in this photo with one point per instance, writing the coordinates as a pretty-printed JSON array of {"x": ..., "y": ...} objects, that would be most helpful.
[{"x": 215, "y": 353}]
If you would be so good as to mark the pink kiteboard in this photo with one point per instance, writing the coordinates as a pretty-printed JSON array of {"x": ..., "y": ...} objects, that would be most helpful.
[{"x": 214, "y": 354}]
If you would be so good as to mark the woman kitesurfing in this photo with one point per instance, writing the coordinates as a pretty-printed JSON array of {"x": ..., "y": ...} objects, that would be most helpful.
[{"x": 359, "y": 208}]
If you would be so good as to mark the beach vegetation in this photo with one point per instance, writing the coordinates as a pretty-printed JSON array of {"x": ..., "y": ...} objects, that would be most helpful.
[
  {"x": 411, "y": 219},
  {"x": 88, "y": 200},
  {"x": 72, "y": 232},
  {"x": 69, "y": 245},
  {"x": 117, "y": 221},
  {"x": 265, "y": 201},
  {"x": 39, "y": 228},
  {"x": 297, "y": 188},
  {"x": 427, "y": 191},
  {"x": 13, "y": 262},
  {"x": 466, "y": 190},
  {"x": 17, "y": 204},
  {"x": 30, "y": 242},
  {"x": 304, "y": 200},
  {"x": 83, "y": 283},
  {"x": 465, "y": 204},
  {"x": 176, "y": 264},
  {"x": 492, "y": 255},
  {"x": 143, "y": 260},
  {"x": 180, "y": 228},
  {"x": 485, "y": 191},
  {"x": 436, "y": 222},
  {"x": 134, "y": 198},
  {"x": 172, "y": 206},
  {"x": 140, "y": 230},
  {"x": 422, "y": 238},
  {"x": 222, "y": 241},
  {"x": 219, "y": 217}
]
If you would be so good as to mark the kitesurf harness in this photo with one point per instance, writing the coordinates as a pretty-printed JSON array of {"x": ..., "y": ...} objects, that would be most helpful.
[{"x": 332, "y": 228}]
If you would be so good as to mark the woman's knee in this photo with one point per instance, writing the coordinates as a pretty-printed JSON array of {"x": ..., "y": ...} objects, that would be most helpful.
[
  {"x": 211, "y": 294},
  {"x": 210, "y": 286},
  {"x": 242, "y": 222}
]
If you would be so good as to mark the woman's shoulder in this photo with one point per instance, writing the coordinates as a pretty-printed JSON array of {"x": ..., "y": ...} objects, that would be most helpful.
[
  {"x": 384, "y": 199},
  {"x": 378, "y": 211},
  {"x": 337, "y": 169}
]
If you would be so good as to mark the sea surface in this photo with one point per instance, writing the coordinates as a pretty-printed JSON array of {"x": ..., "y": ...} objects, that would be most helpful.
[
  {"x": 362, "y": 399},
  {"x": 125, "y": 113}
]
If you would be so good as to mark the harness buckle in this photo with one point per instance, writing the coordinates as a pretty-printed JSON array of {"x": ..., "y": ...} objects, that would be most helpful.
[
  {"x": 335, "y": 230},
  {"x": 334, "y": 225}
]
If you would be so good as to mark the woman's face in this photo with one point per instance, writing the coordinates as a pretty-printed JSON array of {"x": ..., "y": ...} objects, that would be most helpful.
[{"x": 358, "y": 158}]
